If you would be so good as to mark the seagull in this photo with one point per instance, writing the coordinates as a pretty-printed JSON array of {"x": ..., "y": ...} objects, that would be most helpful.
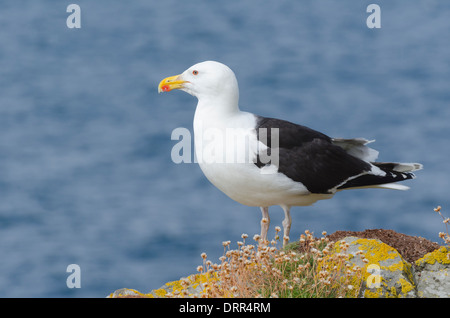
[{"x": 263, "y": 162}]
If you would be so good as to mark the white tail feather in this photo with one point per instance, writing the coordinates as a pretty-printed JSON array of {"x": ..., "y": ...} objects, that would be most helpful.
[
  {"x": 408, "y": 167},
  {"x": 393, "y": 186}
]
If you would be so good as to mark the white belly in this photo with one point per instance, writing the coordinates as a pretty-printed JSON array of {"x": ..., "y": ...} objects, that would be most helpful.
[
  {"x": 226, "y": 156},
  {"x": 246, "y": 184}
]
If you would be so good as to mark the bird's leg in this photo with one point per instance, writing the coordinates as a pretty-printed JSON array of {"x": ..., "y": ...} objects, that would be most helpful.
[
  {"x": 265, "y": 221},
  {"x": 286, "y": 223}
]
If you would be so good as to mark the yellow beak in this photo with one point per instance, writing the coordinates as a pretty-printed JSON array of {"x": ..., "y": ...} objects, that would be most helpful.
[{"x": 170, "y": 83}]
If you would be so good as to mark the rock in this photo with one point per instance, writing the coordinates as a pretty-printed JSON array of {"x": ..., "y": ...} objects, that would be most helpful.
[
  {"x": 192, "y": 286},
  {"x": 433, "y": 274},
  {"x": 188, "y": 287},
  {"x": 126, "y": 293},
  {"x": 384, "y": 272},
  {"x": 427, "y": 277},
  {"x": 410, "y": 247}
]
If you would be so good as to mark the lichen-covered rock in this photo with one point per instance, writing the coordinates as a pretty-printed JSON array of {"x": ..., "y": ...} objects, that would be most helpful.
[
  {"x": 192, "y": 286},
  {"x": 127, "y": 293},
  {"x": 189, "y": 287},
  {"x": 433, "y": 274},
  {"x": 385, "y": 272}
]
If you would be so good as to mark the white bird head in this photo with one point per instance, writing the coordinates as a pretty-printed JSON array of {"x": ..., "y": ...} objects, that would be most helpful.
[{"x": 209, "y": 81}]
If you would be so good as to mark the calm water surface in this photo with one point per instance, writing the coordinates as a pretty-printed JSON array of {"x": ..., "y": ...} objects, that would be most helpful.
[{"x": 85, "y": 171}]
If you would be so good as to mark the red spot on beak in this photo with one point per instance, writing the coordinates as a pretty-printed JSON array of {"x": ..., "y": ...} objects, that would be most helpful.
[{"x": 165, "y": 88}]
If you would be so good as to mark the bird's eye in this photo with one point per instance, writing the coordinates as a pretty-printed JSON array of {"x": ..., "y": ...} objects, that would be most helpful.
[{"x": 195, "y": 72}]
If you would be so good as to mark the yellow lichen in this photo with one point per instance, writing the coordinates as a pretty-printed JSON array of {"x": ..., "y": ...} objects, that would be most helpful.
[
  {"x": 373, "y": 293},
  {"x": 406, "y": 286},
  {"x": 377, "y": 253},
  {"x": 160, "y": 292},
  {"x": 440, "y": 255},
  {"x": 180, "y": 287},
  {"x": 127, "y": 292}
]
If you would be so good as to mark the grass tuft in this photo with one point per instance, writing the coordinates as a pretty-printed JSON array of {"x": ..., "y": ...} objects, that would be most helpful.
[{"x": 304, "y": 269}]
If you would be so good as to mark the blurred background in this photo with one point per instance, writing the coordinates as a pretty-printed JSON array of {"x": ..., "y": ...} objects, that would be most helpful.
[{"x": 86, "y": 175}]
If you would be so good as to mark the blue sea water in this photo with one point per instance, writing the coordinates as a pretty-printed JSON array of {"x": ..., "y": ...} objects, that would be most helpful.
[{"x": 86, "y": 175}]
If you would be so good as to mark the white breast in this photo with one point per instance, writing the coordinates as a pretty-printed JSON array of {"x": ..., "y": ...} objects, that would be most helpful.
[{"x": 226, "y": 151}]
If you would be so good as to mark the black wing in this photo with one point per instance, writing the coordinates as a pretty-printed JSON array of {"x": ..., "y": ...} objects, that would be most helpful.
[
  {"x": 291, "y": 135},
  {"x": 309, "y": 157}
]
